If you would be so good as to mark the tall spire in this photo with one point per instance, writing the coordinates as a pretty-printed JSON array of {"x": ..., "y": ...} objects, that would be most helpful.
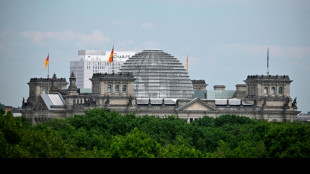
[{"x": 268, "y": 61}]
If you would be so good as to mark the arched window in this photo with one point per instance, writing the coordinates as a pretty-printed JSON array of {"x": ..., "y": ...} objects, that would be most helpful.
[
  {"x": 280, "y": 90},
  {"x": 109, "y": 88},
  {"x": 117, "y": 88},
  {"x": 273, "y": 90},
  {"x": 124, "y": 88},
  {"x": 265, "y": 90}
]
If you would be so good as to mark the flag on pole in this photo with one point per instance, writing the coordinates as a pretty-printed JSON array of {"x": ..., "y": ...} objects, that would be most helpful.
[
  {"x": 46, "y": 61},
  {"x": 187, "y": 64},
  {"x": 111, "y": 55}
]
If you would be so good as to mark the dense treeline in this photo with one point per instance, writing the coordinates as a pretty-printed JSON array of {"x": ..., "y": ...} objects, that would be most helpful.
[{"x": 102, "y": 133}]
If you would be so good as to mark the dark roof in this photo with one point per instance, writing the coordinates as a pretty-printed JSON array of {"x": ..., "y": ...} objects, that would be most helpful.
[
  {"x": 241, "y": 85},
  {"x": 219, "y": 86},
  {"x": 198, "y": 82},
  {"x": 113, "y": 76},
  {"x": 47, "y": 80},
  {"x": 269, "y": 77}
]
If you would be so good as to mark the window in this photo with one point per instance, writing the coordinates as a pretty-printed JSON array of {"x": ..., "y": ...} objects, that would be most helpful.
[
  {"x": 109, "y": 88},
  {"x": 117, "y": 88},
  {"x": 124, "y": 88},
  {"x": 265, "y": 90},
  {"x": 280, "y": 90},
  {"x": 190, "y": 120},
  {"x": 273, "y": 90}
]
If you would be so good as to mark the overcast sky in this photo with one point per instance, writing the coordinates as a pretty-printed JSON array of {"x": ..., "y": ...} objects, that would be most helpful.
[{"x": 225, "y": 40}]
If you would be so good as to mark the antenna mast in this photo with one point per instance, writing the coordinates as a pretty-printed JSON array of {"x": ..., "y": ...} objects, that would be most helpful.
[{"x": 267, "y": 61}]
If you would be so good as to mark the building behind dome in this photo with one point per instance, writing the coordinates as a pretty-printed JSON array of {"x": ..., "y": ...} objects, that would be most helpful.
[{"x": 158, "y": 75}]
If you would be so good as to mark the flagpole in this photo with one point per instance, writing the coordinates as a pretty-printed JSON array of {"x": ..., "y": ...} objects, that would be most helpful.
[
  {"x": 48, "y": 68},
  {"x": 267, "y": 61},
  {"x": 113, "y": 61}
]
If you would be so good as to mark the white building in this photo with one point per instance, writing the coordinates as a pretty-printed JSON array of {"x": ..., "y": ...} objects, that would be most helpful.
[{"x": 96, "y": 61}]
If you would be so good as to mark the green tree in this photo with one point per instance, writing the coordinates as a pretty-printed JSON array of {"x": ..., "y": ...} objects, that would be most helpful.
[
  {"x": 104, "y": 133},
  {"x": 45, "y": 144},
  {"x": 288, "y": 140},
  {"x": 135, "y": 144},
  {"x": 232, "y": 119},
  {"x": 21, "y": 140},
  {"x": 206, "y": 139},
  {"x": 205, "y": 121},
  {"x": 165, "y": 130},
  {"x": 250, "y": 149},
  {"x": 180, "y": 151},
  {"x": 223, "y": 151},
  {"x": 11, "y": 134}
]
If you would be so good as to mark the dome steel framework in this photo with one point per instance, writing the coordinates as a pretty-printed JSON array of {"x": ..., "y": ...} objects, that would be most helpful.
[{"x": 158, "y": 75}]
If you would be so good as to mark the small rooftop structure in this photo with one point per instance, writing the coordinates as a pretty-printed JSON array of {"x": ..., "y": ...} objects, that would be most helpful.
[
  {"x": 219, "y": 87},
  {"x": 214, "y": 94},
  {"x": 199, "y": 84}
]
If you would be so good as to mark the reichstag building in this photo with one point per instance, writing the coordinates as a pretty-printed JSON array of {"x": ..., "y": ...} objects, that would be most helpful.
[{"x": 153, "y": 82}]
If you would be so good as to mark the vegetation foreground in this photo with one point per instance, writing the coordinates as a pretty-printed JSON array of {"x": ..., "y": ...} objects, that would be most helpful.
[{"x": 108, "y": 134}]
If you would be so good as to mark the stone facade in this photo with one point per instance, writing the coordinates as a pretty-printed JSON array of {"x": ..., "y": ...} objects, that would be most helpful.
[
  {"x": 167, "y": 91},
  {"x": 116, "y": 92}
]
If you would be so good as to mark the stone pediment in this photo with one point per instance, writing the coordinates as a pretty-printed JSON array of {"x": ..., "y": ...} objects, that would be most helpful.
[{"x": 196, "y": 105}]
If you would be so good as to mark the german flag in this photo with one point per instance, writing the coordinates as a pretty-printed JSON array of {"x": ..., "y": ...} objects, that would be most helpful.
[
  {"x": 111, "y": 55},
  {"x": 46, "y": 61},
  {"x": 187, "y": 64}
]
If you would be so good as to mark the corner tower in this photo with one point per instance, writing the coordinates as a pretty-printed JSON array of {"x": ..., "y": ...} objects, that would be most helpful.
[
  {"x": 270, "y": 92},
  {"x": 38, "y": 86},
  {"x": 268, "y": 86}
]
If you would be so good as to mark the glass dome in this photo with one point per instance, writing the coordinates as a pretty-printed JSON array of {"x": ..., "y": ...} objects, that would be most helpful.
[{"x": 158, "y": 75}]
